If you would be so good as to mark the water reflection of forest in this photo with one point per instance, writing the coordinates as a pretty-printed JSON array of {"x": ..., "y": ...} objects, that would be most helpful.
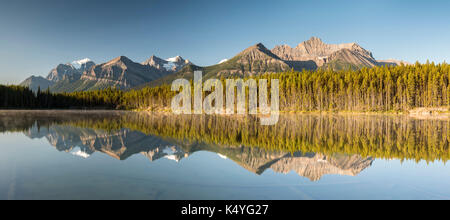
[{"x": 393, "y": 137}]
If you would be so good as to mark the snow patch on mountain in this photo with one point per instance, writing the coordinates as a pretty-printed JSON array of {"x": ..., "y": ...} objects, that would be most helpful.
[
  {"x": 77, "y": 63},
  {"x": 169, "y": 66},
  {"x": 173, "y": 59}
]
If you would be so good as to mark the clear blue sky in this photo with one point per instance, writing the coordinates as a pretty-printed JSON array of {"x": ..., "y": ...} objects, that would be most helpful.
[{"x": 37, "y": 35}]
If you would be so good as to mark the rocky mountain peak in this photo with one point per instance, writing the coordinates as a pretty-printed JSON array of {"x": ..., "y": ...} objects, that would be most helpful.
[
  {"x": 313, "y": 41},
  {"x": 175, "y": 59},
  {"x": 169, "y": 65},
  {"x": 258, "y": 51},
  {"x": 61, "y": 71},
  {"x": 178, "y": 60},
  {"x": 86, "y": 66},
  {"x": 153, "y": 61},
  {"x": 254, "y": 60},
  {"x": 122, "y": 59},
  {"x": 315, "y": 50},
  {"x": 258, "y": 46},
  {"x": 79, "y": 63}
]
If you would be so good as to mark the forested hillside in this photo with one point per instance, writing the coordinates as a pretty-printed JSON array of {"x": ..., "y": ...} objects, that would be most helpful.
[{"x": 399, "y": 88}]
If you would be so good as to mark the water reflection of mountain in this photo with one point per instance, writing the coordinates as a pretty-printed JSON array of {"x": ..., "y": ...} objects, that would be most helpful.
[
  {"x": 123, "y": 143},
  {"x": 119, "y": 144},
  {"x": 378, "y": 136}
]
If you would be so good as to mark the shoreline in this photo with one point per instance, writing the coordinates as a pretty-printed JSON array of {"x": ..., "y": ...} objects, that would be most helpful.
[{"x": 422, "y": 113}]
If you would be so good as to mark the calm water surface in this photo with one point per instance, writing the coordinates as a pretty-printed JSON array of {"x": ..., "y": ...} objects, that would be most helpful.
[{"x": 118, "y": 155}]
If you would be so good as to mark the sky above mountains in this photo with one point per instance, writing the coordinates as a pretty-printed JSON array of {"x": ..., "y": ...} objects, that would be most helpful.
[{"x": 38, "y": 35}]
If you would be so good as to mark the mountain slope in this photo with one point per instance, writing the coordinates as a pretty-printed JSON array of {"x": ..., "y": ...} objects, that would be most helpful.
[
  {"x": 186, "y": 72},
  {"x": 254, "y": 60},
  {"x": 120, "y": 72},
  {"x": 35, "y": 82},
  {"x": 86, "y": 66},
  {"x": 336, "y": 56},
  {"x": 347, "y": 58},
  {"x": 60, "y": 76},
  {"x": 76, "y": 85}
]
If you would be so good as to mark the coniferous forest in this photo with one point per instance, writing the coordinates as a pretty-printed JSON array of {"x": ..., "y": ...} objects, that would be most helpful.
[{"x": 399, "y": 88}]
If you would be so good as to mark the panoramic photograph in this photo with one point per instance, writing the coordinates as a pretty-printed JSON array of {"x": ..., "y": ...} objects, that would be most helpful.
[{"x": 207, "y": 100}]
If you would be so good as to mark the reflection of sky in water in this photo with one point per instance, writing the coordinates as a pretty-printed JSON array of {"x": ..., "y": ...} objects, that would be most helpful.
[{"x": 34, "y": 169}]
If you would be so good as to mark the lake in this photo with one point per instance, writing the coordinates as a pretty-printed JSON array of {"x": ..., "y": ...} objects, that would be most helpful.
[{"x": 131, "y": 155}]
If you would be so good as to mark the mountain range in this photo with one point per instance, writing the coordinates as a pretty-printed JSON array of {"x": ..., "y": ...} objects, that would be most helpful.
[
  {"x": 123, "y": 73},
  {"x": 120, "y": 72}
]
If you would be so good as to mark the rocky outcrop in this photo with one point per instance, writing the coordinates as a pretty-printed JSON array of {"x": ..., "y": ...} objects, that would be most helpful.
[
  {"x": 62, "y": 71},
  {"x": 86, "y": 67},
  {"x": 317, "y": 51},
  {"x": 167, "y": 66}
]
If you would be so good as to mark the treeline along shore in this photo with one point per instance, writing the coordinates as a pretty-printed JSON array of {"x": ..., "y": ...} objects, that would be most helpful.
[{"x": 378, "y": 89}]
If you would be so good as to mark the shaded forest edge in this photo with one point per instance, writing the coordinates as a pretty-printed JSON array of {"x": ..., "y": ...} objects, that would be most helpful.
[{"x": 378, "y": 89}]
